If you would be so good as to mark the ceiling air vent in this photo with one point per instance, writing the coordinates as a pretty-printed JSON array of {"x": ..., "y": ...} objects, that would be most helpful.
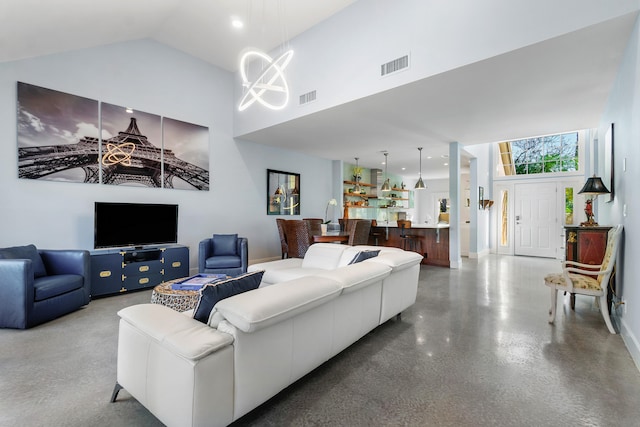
[
  {"x": 394, "y": 66},
  {"x": 308, "y": 97}
]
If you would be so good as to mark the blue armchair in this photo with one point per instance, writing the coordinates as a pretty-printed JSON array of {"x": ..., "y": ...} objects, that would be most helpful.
[
  {"x": 223, "y": 254},
  {"x": 39, "y": 285}
]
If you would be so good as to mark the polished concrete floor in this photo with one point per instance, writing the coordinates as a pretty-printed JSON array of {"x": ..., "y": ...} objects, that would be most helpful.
[{"x": 475, "y": 350}]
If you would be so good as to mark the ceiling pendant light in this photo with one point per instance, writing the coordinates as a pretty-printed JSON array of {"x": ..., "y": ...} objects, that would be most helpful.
[
  {"x": 271, "y": 80},
  {"x": 420, "y": 184},
  {"x": 357, "y": 175},
  {"x": 265, "y": 81},
  {"x": 385, "y": 186}
]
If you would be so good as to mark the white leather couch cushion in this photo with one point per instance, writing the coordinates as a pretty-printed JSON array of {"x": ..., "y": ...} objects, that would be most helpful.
[
  {"x": 351, "y": 251},
  {"x": 275, "y": 265},
  {"x": 397, "y": 260},
  {"x": 278, "y": 271},
  {"x": 324, "y": 256},
  {"x": 356, "y": 276},
  {"x": 191, "y": 339},
  {"x": 262, "y": 307},
  {"x": 284, "y": 275}
]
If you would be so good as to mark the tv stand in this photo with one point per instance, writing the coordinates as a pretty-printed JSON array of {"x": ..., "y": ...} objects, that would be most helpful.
[
  {"x": 142, "y": 255},
  {"x": 121, "y": 270}
]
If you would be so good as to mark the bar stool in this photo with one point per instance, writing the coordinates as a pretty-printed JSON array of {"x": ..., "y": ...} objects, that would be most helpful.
[
  {"x": 410, "y": 242},
  {"x": 375, "y": 234}
]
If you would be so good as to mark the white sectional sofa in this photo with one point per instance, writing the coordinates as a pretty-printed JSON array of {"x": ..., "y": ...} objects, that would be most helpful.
[{"x": 188, "y": 373}]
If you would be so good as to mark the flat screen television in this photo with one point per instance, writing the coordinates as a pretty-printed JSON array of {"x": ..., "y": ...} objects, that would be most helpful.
[{"x": 134, "y": 224}]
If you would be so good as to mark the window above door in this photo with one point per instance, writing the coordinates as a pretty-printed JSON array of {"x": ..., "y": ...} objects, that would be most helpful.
[{"x": 556, "y": 154}]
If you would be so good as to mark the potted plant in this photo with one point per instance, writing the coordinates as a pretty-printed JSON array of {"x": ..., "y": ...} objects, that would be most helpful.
[{"x": 323, "y": 226}]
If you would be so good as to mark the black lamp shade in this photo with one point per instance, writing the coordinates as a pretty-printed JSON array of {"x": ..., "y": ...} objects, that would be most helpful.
[{"x": 595, "y": 186}]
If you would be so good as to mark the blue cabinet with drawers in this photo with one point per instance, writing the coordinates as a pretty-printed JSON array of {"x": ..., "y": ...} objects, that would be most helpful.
[{"x": 116, "y": 271}]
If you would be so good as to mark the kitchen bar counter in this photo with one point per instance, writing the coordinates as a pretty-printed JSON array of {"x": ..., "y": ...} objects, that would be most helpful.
[{"x": 434, "y": 239}]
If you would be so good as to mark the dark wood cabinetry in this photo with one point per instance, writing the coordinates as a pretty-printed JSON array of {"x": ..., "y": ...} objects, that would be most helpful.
[
  {"x": 119, "y": 271},
  {"x": 586, "y": 244},
  {"x": 434, "y": 242}
]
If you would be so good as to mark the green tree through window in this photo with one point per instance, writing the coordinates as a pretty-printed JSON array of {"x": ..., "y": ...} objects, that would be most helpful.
[{"x": 545, "y": 154}]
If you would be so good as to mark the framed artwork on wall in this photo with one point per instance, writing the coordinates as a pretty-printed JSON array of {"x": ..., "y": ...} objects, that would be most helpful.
[
  {"x": 283, "y": 193},
  {"x": 58, "y": 137},
  {"x": 608, "y": 175},
  {"x": 131, "y": 147},
  {"x": 185, "y": 155}
]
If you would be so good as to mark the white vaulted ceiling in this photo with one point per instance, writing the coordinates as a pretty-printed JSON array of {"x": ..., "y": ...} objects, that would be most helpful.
[{"x": 508, "y": 96}]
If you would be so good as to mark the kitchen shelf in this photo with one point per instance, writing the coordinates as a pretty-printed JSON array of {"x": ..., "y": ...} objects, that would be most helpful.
[
  {"x": 363, "y": 196},
  {"x": 362, "y": 184}
]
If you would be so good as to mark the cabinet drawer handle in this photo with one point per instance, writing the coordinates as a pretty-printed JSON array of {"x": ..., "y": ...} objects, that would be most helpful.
[
  {"x": 176, "y": 264},
  {"x": 105, "y": 273},
  {"x": 143, "y": 280},
  {"x": 143, "y": 268}
]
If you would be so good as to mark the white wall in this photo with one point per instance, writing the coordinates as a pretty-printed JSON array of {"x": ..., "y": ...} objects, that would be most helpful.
[
  {"x": 340, "y": 58},
  {"x": 480, "y": 176},
  {"x": 426, "y": 200},
  {"x": 623, "y": 110},
  {"x": 153, "y": 78}
]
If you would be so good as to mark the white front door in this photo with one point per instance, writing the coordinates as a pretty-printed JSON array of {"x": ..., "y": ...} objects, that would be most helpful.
[{"x": 536, "y": 220}]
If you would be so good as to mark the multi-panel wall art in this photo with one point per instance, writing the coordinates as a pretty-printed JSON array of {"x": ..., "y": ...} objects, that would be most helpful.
[
  {"x": 57, "y": 135},
  {"x": 65, "y": 137}
]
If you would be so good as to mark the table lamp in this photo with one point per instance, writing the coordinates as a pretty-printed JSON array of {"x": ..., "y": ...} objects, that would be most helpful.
[{"x": 592, "y": 187}]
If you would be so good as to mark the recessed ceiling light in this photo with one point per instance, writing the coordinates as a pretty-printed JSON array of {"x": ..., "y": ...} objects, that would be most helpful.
[
  {"x": 404, "y": 169},
  {"x": 237, "y": 23},
  {"x": 446, "y": 164},
  {"x": 129, "y": 110},
  {"x": 429, "y": 157}
]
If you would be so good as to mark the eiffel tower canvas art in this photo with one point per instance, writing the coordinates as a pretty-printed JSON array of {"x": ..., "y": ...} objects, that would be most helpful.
[{"x": 58, "y": 139}]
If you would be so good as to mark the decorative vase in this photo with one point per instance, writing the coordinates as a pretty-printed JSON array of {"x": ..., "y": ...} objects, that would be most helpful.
[{"x": 323, "y": 228}]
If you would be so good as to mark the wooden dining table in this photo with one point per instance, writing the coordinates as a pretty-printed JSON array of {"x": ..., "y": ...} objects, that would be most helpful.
[{"x": 331, "y": 237}]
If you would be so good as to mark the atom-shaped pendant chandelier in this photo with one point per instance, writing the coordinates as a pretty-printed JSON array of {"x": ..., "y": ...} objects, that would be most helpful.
[{"x": 271, "y": 79}]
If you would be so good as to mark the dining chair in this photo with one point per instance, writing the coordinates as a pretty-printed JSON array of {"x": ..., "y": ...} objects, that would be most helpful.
[
  {"x": 283, "y": 239},
  {"x": 314, "y": 226},
  {"x": 359, "y": 232},
  {"x": 298, "y": 237},
  {"x": 587, "y": 279},
  {"x": 345, "y": 224}
]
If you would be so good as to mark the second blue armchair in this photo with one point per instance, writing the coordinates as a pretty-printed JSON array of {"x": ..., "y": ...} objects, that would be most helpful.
[{"x": 223, "y": 254}]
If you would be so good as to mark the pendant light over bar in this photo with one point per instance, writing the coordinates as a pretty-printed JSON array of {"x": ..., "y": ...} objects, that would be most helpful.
[
  {"x": 386, "y": 186},
  {"x": 420, "y": 184}
]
